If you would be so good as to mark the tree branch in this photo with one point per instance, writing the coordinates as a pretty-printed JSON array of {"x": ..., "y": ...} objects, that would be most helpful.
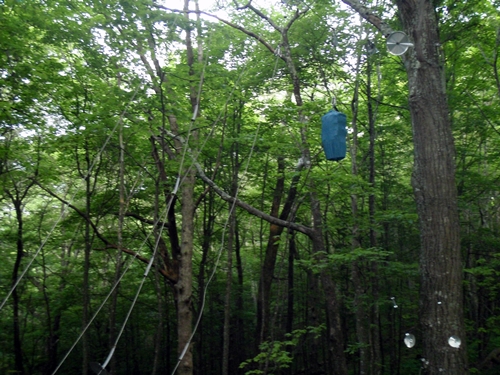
[
  {"x": 168, "y": 273},
  {"x": 250, "y": 209},
  {"x": 264, "y": 17},
  {"x": 233, "y": 25},
  {"x": 144, "y": 220},
  {"x": 298, "y": 13},
  {"x": 368, "y": 15}
]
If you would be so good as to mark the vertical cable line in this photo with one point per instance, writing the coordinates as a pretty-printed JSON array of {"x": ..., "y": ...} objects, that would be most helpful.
[{"x": 94, "y": 161}]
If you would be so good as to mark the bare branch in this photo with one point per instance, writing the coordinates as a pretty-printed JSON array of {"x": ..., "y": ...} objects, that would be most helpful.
[
  {"x": 241, "y": 7},
  {"x": 229, "y": 23},
  {"x": 144, "y": 220},
  {"x": 298, "y": 13},
  {"x": 77, "y": 210},
  {"x": 264, "y": 17},
  {"x": 250, "y": 209},
  {"x": 368, "y": 15}
]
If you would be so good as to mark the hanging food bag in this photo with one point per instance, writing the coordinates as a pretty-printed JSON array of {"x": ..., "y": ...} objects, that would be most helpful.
[{"x": 333, "y": 135}]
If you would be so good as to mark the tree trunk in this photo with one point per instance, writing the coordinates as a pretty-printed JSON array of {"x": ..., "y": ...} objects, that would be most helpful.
[
  {"x": 17, "y": 196},
  {"x": 241, "y": 353},
  {"x": 267, "y": 271},
  {"x": 375, "y": 358},
  {"x": 229, "y": 288},
  {"x": 86, "y": 265},
  {"x": 18, "y": 352},
  {"x": 53, "y": 324},
  {"x": 335, "y": 334},
  {"x": 184, "y": 287},
  {"x": 118, "y": 257},
  {"x": 441, "y": 309},
  {"x": 209, "y": 215},
  {"x": 230, "y": 246},
  {"x": 356, "y": 274},
  {"x": 292, "y": 249}
]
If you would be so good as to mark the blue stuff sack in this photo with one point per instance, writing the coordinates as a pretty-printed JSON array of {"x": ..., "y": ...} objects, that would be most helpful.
[{"x": 333, "y": 135}]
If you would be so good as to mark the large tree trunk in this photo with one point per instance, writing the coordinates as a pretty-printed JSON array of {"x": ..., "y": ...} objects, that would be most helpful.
[{"x": 441, "y": 309}]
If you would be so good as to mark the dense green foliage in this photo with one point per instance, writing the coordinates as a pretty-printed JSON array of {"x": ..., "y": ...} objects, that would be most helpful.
[{"x": 89, "y": 89}]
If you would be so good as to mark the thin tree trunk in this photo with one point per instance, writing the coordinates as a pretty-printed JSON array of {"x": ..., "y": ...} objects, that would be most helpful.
[
  {"x": 159, "y": 331},
  {"x": 290, "y": 289},
  {"x": 208, "y": 230},
  {"x": 54, "y": 325},
  {"x": 230, "y": 247},
  {"x": 275, "y": 232},
  {"x": 356, "y": 274},
  {"x": 227, "y": 301},
  {"x": 184, "y": 287},
  {"x": 335, "y": 334},
  {"x": 268, "y": 265},
  {"x": 86, "y": 268},
  {"x": 17, "y": 197},
  {"x": 374, "y": 339},
  {"x": 118, "y": 257},
  {"x": 18, "y": 352},
  {"x": 51, "y": 343},
  {"x": 241, "y": 353}
]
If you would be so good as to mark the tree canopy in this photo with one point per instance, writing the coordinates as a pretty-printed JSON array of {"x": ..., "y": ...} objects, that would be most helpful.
[{"x": 167, "y": 207}]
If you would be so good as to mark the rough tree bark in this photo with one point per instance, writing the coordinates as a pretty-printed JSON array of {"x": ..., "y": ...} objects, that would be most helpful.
[
  {"x": 441, "y": 309},
  {"x": 184, "y": 287}
]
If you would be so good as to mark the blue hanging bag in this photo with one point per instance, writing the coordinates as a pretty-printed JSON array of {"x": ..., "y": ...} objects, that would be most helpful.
[{"x": 333, "y": 135}]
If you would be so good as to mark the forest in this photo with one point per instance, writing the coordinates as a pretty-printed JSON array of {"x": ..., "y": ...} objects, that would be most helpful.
[{"x": 167, "y": 207}]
